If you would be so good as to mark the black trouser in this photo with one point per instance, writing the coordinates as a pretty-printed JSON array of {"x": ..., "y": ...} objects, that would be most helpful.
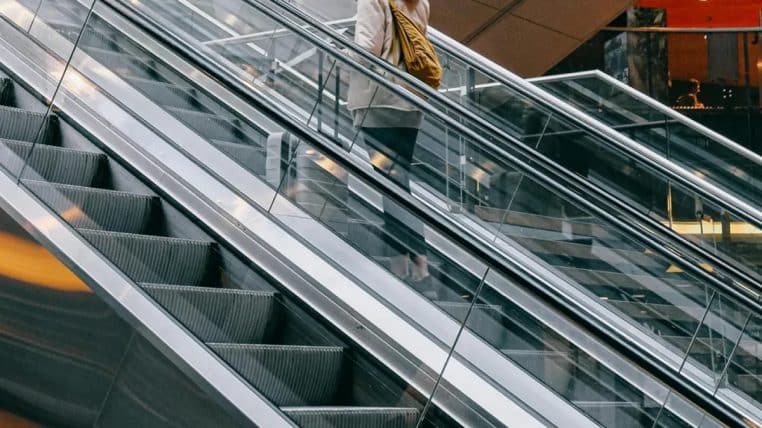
[{"x": 396, "y": 145}]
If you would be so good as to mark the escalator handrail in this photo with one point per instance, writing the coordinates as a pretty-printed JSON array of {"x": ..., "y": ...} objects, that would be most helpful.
[
  {"x": 746, "y": 289},
  {"x": 656, "y": 105},
  {"x": 133, "y": 305},
  {"x": 474, "y": 244},
  {"x": 622, "y": 143},
  {"x": 744, "y": 280}
]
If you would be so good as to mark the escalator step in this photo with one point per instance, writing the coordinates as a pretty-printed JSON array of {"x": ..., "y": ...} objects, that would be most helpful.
[
  {"x": 123, "y": 65},
  {"x": 22, "y": 125},
  {"x": 97, "y": 209},
  {"x": 54, "y": 164},
  {"x": 351, "y": 417},
  {"x": 217, "y": 314},
  {"x": 288, "y": 375},
  {"x": 155, "y": 259}
]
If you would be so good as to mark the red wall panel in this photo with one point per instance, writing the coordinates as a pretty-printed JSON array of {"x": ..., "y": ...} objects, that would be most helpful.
[{"x": 708, "y": 13}]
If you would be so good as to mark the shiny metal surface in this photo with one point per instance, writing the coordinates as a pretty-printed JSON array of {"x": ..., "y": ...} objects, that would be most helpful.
[
  {"x": 746, "y": 211},
  {"x": 151, "y": 320},
  {"x": 246, "y": 219},
  {"x": 666, "y": 110}
]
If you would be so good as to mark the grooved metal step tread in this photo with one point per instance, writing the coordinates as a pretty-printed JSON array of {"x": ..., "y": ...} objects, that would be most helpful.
[
  {"x": 54, "y": 164},
  {"x": 23, "y": 125},
  {"x": 97, "y": 209},
  {"x": 155, "y": 259},
  {"x": 218, "y": 314},
  {"x": 288, "y": 375},
  {"x": 352, "y": 417}
]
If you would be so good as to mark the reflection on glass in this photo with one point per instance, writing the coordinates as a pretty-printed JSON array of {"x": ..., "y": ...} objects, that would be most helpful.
[
  {"x": 538, "y": 348},
  {"x": 743, "y": 371},
  {"x": 227, "y": 304},
  {"x": 494, "y": 194},
  {"x": 717, "y": 335}
]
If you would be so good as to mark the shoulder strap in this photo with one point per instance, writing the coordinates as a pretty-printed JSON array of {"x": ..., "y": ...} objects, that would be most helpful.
[{"x": 393, "y": 10}]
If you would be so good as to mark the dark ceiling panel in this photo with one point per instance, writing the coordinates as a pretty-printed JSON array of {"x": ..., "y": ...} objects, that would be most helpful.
[
  {"x": 459, "y": 18},
  {"x": 526, "y": 36},
  {"x": 573, "y": 18},
  {"x": 523, "y": 47}
]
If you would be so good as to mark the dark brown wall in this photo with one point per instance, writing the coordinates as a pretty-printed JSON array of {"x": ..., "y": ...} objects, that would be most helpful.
[{"x": 526, "y": 36}]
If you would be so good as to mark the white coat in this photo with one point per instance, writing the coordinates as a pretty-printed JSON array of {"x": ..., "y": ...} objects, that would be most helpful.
[{"x": 373, "y": 32}]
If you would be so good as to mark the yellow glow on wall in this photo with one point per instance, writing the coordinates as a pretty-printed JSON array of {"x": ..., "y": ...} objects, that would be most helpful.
[
  {"x": 737, "y": 228},
  {"x": 29, "y": 262},
  {"x": 10, "y": 420}
]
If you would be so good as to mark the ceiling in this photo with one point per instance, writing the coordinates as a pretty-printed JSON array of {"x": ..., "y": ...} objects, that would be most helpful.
[{"x": 527, "y": 37}]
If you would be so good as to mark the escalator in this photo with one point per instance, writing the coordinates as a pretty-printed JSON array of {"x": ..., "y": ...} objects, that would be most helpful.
[
  {"x": 539, "y": 34},
  {"x": 703, "y": 174},
  {"x": 675, "y": 136},
  {"x": 204, "y": 284},
  {"x": 652, "y": 291},
  {"x": 244, "y": 316},
  {"x": 248, "y": 328},
  {"x": 237, "y": 312}
]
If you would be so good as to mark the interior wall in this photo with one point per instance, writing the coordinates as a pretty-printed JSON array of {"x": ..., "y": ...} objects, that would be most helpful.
[{"x": 526, "y": 36}]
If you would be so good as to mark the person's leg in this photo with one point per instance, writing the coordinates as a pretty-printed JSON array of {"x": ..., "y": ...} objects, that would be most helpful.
[
  {"x": 379, "y": 142},
  {"x": 401, "y": 167}
]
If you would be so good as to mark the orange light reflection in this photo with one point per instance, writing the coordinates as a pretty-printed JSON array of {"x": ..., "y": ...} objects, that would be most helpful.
[{"x": 29, "y": 262}]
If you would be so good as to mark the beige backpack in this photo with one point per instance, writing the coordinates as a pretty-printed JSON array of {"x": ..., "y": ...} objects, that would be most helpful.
[{"x": 418, "y": 53}]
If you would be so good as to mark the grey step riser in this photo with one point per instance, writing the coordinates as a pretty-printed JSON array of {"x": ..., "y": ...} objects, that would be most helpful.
[
  {"x": 99, "y": 210},
  {"x": 157, "y": 260},
  {"x": 22, "y": 125},
  {"x": 52, "y": 164},
  {"x": 354, "y": 418},
  {"x": 288, "y": 376},
  {"x": 221, "y": 316}
]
